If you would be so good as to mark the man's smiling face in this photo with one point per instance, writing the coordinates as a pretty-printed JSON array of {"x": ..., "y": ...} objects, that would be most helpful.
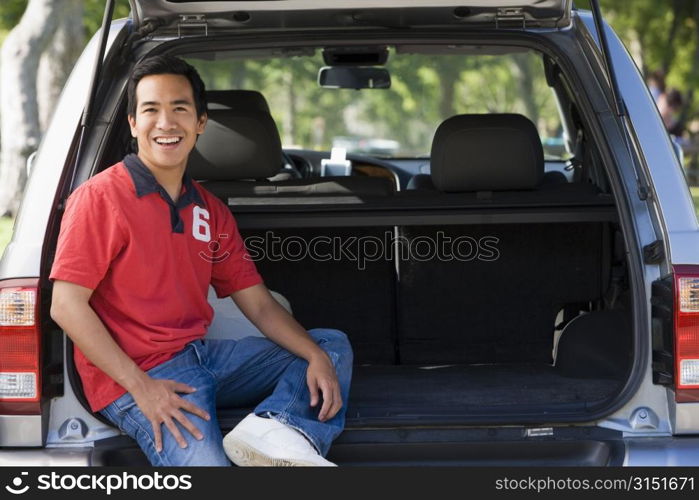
[{"x": 166, "y": 123}]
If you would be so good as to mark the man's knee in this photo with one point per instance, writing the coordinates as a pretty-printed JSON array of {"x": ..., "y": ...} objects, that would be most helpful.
[
  {"x": 333, "y": 340},
  {"x": 329, "y": 335}
]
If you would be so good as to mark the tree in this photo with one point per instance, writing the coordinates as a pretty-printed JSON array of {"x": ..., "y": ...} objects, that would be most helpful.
[
  {"x": 58, "y": 59},
  {"x": 20, "y": 129},
  {"x": 36, "y": 58},
  {"x": 667, "y": 35}
]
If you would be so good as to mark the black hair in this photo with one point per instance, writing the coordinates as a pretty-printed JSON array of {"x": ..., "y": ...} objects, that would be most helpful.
[
  {"x": 166, "y": 65},
  {"x": 658, "y": 76},
  {"x": 674, "y": 98}
]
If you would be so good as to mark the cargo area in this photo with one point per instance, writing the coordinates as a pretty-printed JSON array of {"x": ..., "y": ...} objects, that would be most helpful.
[
  {"x": 491, "y": 290},
  {"x": 535, "y": 325}
]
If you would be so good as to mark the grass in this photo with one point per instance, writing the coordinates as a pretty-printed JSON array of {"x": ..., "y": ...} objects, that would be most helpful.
[
  {"x": 695, "y": 195},
  {"x": 5, "y": 232}
]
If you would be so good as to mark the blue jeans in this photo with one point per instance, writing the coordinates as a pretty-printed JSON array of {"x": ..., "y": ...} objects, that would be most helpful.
[{"x": 238, "y": 373}]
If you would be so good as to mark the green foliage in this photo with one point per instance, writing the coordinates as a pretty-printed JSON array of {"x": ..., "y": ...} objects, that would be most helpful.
[
  {"x": 695, "y": 197},
  {"x": 94, "y": 12},
  {"x": 661, "y": 34},
  {"x": 6, "y": 224},
  {"x": 666, "y": 33},
  {"x": 425, "y": 90},
  {"x": 11, "y": 12}
]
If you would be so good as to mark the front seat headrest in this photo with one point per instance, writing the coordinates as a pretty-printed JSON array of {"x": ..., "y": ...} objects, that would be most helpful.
[
  {"x": 494, "y": 152},
  {"x": 241, "y": 140}
]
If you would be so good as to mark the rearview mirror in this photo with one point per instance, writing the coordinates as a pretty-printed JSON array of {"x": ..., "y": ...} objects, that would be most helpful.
[{"x": 354, "y": 77}]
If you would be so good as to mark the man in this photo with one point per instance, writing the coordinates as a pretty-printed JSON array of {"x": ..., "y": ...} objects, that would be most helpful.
[
  {"x": 139, "y": 245},
  {"x": 670, "y": 105}
]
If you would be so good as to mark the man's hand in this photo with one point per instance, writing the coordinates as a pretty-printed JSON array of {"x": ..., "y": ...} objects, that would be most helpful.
[
  {"x": 279, "y": 326},
  {"x": 160, "y": 404},
  {"x": 321, "y": 376}
]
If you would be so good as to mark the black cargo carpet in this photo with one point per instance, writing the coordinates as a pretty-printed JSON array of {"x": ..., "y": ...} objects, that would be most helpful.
[{"x": 488, "y": 393}]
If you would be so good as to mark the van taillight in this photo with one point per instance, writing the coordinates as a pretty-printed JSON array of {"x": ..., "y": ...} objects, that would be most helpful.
[
  {"x": 20, "y": 344},
  {"x": 686, "y": 333}
]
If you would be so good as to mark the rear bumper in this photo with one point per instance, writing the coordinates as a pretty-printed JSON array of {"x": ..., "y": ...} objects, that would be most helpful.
[
  {"x": 686, "y": 418},
  {"x": 21, "y": 430},
  {"x": 45, "y": 457},
  {"x": 671, "y": 451}
]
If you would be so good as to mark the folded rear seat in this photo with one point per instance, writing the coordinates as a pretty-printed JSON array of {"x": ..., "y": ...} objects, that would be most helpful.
[{"x": 493, "y": 293}]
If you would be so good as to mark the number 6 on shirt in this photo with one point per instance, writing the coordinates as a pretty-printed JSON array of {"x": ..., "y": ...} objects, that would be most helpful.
[{"x": 200, "y": 226}]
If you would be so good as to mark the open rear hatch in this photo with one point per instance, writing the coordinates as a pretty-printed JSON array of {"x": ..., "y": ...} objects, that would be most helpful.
[{"x": 174, "y": 16}]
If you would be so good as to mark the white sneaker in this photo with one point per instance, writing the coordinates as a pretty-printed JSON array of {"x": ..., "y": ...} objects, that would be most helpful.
[{"x": 258, "y": 442}]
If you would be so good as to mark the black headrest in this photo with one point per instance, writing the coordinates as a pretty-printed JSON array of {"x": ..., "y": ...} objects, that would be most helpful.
[
  {"x": 495, "y": 152},
  {"x": 241, "y": 140}
]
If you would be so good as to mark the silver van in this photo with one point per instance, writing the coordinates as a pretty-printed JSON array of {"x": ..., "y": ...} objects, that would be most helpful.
[{"x": 481, "y": 194}]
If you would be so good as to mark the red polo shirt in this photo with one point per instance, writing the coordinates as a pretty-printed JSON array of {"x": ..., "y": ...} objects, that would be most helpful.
[{"x": 150, "y": 262}]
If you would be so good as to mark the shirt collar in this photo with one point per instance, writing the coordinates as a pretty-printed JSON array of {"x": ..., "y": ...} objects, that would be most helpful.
[{"x": 145, "y": 183}]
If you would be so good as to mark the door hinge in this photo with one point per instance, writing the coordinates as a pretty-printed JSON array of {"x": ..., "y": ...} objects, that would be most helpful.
[
  {"x": 192, "y": 25},
  {"x": 512, "y": 17}
]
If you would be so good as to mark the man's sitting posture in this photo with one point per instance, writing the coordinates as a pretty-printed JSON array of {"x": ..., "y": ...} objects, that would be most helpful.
[{"x": 139, "y": 245}]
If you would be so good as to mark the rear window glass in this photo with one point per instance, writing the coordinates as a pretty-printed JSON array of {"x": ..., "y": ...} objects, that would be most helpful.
[{"x": 399, "y": 121}]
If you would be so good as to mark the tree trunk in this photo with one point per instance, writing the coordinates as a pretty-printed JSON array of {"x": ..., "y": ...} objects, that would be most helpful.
[
  {"x": 642, "y": 29},
  {"x": 448, "y": 77},
  {"x": 57, "y": 61},
  {"x": 669, "y": 50},
  {"x": 446, "y": 101},
  {"x": 20, "y": 119},
  {"x": 290, "y": 137},
  {"x": 524, "y": 75}
]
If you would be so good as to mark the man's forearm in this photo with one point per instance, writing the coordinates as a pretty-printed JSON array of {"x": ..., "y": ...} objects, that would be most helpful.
[
  {"x": 86, "y": 330},
  {"x": 279, "y": 326},
  {"x": 276, "y": 323}
]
